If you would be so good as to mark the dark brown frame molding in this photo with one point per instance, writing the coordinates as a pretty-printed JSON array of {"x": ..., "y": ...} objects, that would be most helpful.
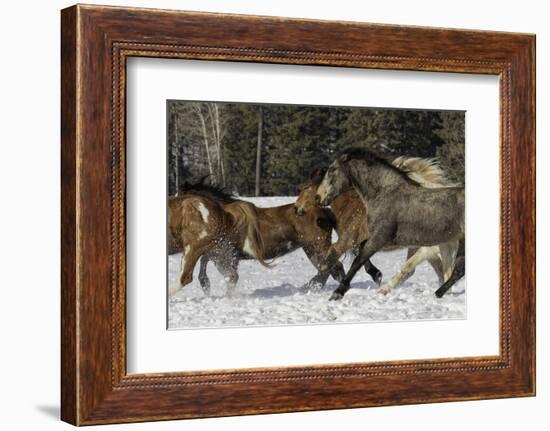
[{"x": 95, "y": 43}]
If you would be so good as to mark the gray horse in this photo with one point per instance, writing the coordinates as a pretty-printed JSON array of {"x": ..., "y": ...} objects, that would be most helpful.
[{"x": 401, "y": 213}]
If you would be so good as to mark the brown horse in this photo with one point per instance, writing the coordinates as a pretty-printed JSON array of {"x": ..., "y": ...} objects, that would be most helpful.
[
  {"x": 351, "y": 226},
  {"x": 351, "y": 214},
  {"x": 205, "y": 221}
]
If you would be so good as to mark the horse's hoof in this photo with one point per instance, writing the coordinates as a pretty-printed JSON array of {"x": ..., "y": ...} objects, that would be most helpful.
[
  {"x": 439, "y": 294},
  {"x": 311, "y": 287},
  {"x": 384, "y": 291},
  {"x": 378, "y": 279},
  {"x": 172, "y": 290},
  {"x": 336, "y": 296}
]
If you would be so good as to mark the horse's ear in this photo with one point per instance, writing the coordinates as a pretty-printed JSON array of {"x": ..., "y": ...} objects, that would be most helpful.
[
  {"x": 203, "y": 180},
  {"x": 344, "y": 157},
  {"x": 317, "y": 176}
]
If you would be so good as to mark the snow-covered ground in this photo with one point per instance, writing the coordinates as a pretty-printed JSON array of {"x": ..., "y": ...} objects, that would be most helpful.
[{"x": 272, "y": 296}]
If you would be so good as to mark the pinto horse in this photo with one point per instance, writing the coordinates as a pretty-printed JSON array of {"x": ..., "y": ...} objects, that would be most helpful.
[{"x": 205, "y": 221}]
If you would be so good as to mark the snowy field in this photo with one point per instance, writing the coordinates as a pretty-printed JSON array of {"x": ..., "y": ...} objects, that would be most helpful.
[{"x": 272, "y": 296}]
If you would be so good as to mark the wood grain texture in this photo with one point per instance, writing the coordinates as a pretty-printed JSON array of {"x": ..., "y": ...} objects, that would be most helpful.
[
  {"x": 68, "y": 218},
  {"x": 96, "y": 41}
]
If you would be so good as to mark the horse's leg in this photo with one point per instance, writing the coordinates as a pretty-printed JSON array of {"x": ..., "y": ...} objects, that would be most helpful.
[
  {"x": 203, "y": 276},
  {"x": 319, "y": 280},
  {"x": 332, "y": 259},
  {"x": 373, "y": 271},
  {"x": 368, "y": 248},
  {"x": 444, "y": 262},
  {"x": 228, "y": 269},
  {"x": 416, "y": 259},
  {"x": 410, "y": 253},
  {"x": 439, "y": 268},
  {"x": 189, "y": 259},
  {"x": 332, "y": 256},
  {"x": 338, "y": 272},
  {"x": 370, "y": 268},
  {"x": 458, "y": 273}
]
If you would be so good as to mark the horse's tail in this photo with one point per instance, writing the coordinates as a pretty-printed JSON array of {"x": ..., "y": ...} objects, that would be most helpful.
[
  {"x": 425, "y": 171},
  {"x": 254, "y": 240}
]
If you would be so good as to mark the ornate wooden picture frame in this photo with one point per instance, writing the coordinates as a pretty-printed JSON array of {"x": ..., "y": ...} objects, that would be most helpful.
[{"x": 96, "y": 42}]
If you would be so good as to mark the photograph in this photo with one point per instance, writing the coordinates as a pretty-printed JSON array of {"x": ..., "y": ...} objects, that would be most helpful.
[{"x": 285, "y": 214}]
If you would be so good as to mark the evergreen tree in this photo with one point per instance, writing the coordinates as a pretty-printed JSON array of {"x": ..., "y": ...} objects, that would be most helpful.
[
  {"x": 451, "y": 155},
  {"x": 300, "y": 141},
  {"x": 240, "y": 148},
  {"x": 394, "y": 131},
  {"x": 296, "y": 140}
]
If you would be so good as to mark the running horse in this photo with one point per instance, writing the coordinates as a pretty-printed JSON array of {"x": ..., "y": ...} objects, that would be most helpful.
[
  {"x": 401, "y": 212},
  {"x": 351, "y": 216},
  {"x": 205, "y": 221}
]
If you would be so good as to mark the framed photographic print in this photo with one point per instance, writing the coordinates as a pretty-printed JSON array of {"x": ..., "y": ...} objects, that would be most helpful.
[
  {"x": 273, "y": 158},
  {"x": 266, "y": 214}
]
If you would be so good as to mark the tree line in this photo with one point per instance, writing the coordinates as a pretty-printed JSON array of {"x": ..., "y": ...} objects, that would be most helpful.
[{"x": 270, "y": 150}]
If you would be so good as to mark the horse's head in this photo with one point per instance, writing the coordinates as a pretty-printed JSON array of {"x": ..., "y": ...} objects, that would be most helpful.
[
  {"x": 335, "y": 181},
  {"x": 306, "y": 199},
  {"x": 315, "y": 231}
]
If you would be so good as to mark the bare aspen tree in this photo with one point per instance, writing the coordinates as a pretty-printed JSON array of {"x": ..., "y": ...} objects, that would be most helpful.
[
  {"x": 198, "y": 111},
  {"x": 217, "y": 138},
  {"x": 259, "y": 151},
  {"x": 176, "y": 150}
]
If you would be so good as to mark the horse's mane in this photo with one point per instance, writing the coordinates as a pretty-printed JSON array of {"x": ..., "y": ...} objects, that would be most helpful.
[
  {"x": 424, "y": 172},
  {"x": 317, "y": 176},
  {"x": 361, "y": 153},
  {"x": 204, "y": 188}
]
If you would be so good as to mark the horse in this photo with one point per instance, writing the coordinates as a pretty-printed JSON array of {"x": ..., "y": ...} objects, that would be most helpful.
[
  {"x": 198, "y": 226},
  {"x": 240, "y": 230},
  {"x": 351, "y": 215},
  {"x": 401, "y": 211}
]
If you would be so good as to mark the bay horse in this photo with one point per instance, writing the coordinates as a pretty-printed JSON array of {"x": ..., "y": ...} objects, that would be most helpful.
[
  {"x": 351, "y": 226},
  {"x": 212, "y": 224},
  {"x": 401, "y": 212},
  {"x": 351, "y": 216}
]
